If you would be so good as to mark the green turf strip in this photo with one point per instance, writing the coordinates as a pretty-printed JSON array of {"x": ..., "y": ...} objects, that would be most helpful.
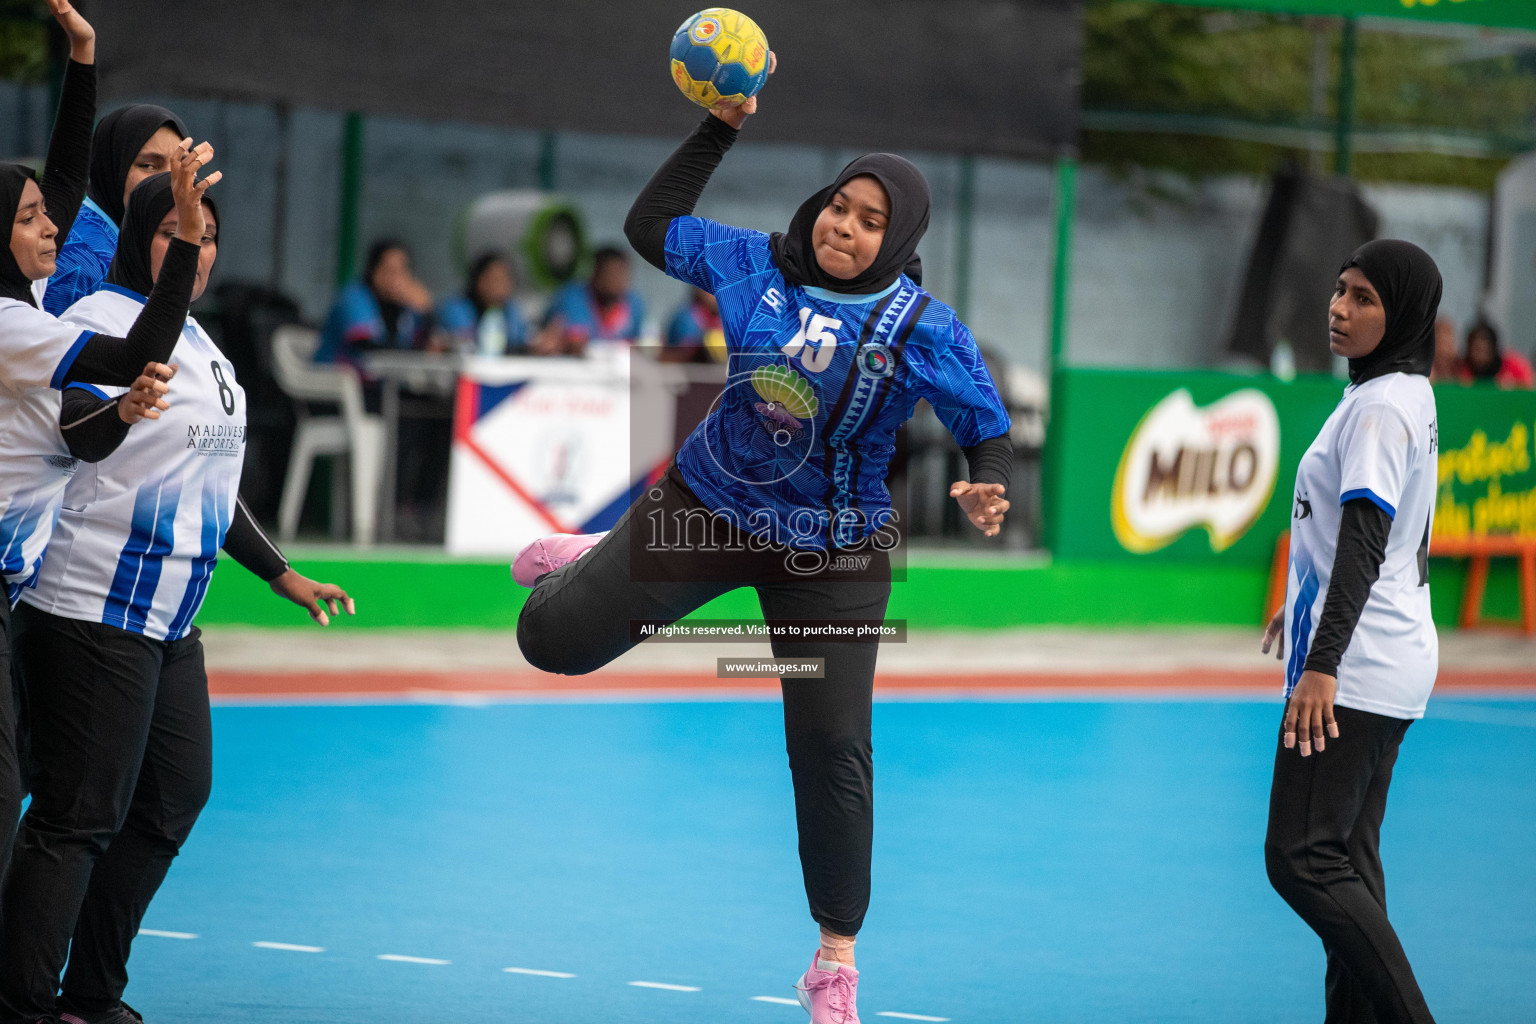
[{"x": 439, "y": 594}]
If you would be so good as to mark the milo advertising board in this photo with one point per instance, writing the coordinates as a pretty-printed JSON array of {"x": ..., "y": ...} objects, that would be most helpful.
[{"x": 1181, "y": 466}]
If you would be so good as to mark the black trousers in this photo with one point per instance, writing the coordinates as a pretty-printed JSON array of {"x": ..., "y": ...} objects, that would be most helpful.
[
  {"x": 579, "y": 618},
  {"x": 121, "y": 766},
  {"x": 1323, "y": 853},
  {"x": 11, "y": 788}
]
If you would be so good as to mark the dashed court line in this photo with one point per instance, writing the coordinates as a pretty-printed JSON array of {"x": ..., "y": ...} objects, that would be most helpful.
[{"x": 402, "y": 958}]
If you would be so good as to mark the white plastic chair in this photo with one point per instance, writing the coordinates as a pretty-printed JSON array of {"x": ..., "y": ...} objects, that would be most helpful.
[{"x": 354, "y": 433}]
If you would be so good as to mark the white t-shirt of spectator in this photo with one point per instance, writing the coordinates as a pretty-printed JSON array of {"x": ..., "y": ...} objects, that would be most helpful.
[
  {"x": 36, "y": 351},
  {"x": 1380, "y": 443}
]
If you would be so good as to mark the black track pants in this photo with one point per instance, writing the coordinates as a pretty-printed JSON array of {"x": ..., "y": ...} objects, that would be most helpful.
[
  {"x": 1323, "y": 852},
  {"x": 121, "y": 762},
  {"x": 578, "y": 619}
]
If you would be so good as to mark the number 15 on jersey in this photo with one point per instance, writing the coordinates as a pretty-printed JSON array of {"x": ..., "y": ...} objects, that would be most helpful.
[{"x": 818, "y": 329}]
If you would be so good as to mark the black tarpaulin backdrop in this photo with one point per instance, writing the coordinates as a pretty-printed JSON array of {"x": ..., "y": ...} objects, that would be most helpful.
[
  {"x": 1309, "y": 228},
  {"x": 983, "y": 76}
]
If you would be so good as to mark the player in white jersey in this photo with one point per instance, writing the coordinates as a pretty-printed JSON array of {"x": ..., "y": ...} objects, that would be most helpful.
[
  {"x": 1359, "y": 645},
  {"x": 108, "y": 660},
  {"x": 39, "y": 352}
]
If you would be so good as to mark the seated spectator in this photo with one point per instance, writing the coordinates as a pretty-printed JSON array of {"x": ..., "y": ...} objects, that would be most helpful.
[
  {"x": 605, "y": 309},
  {"x": 1484, "y": 361},
  {"x": 485, "y": 320},
  {"x": 695, "y": 334},
  {"x": 1447, "y": 368},
  {"x": 387, "y": 308}
]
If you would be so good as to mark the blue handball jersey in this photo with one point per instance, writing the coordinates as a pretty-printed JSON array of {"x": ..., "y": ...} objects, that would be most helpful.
[
  {"x": 818, "y": 383},
  {"x": 83, "y": 262}
]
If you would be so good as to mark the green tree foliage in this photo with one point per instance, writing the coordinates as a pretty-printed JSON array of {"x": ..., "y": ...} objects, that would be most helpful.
[
  {"x": 1156, "y": 58},
  {"x": 23, "y": 41}
]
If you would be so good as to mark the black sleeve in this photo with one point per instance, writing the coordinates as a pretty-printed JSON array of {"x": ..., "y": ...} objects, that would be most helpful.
[
  {"x": 991, "y": 461},
  {"x": 90, "y": 425},
  {"x": 1363, "y": 529},
  {"x": 247, "y": 544},
  {"x": 674, "y": 190},
  {"x": 69, "y": 148},
  {"x": 107, "y": 360}
]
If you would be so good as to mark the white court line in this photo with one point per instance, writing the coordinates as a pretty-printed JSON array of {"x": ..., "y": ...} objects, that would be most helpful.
[
  {"x": 907, "y": 1016},
  {"x": 167, "y": 935},
  {"x": 664, "y": 985},
  {"x": 537, "y": 974},
  {"x": 289, "y": 946},
  {"x": 402, "y": 959},
  {"x": 776, "y": 999}
]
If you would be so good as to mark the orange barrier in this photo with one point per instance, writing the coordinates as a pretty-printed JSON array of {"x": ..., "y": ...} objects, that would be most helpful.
[
  {"x": 1279, "y": 570},
  {"x": 1477, "y": 551}
]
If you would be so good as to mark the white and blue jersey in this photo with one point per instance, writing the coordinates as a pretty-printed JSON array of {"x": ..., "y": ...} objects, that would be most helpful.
[
  {"x": 1379, "y": 444},
  {"x": 799, "y": 446},
  {"x": 140, "y": 531},
  {"x": 36, "y": 351}
]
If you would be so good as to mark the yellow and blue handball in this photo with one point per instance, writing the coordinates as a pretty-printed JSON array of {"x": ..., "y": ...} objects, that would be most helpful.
[{"x": 719, "y": 54}]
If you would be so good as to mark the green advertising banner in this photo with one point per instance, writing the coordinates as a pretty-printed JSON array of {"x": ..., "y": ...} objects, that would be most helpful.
[
  {"x": 1493, "y": 13},
  {"x": 1199, "y": 466},
  {"x": 1487, "y": 463}
]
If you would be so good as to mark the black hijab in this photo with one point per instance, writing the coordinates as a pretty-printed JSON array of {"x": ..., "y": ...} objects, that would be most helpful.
[
  {"x": 119, "y": 137},
  {"x": 795, "y": 254},
  {"x": 148, "y": 204},
  {"x": 1409, "y": 285},
  {"x": 13, "y": 283}
]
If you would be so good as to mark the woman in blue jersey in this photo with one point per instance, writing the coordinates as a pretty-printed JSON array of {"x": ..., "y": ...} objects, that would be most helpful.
[
  {"x": 130, "y": 144},
  {"x": 1362, "y": 649},
  {"x": 40, "y": 353},
  {"x": 832, "y": 341},
  {"x": 486, "y": 320},
  {"x": 108, "y": 659}
]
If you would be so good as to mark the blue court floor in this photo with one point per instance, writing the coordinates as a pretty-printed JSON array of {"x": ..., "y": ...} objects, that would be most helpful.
[{"x": 1034, "y": 861}]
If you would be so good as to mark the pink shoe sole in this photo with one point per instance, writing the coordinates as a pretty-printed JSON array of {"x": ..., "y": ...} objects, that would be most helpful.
[{"x": 547, "y": 554}]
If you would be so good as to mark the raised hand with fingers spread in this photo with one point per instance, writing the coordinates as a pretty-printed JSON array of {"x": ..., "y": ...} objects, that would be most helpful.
[{"x": 189, "y": 189}]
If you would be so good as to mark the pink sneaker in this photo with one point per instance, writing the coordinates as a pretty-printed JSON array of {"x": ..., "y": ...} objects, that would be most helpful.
[
  {"x": 549, "y": 553},
  {"x": 829, "y": 996}
]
